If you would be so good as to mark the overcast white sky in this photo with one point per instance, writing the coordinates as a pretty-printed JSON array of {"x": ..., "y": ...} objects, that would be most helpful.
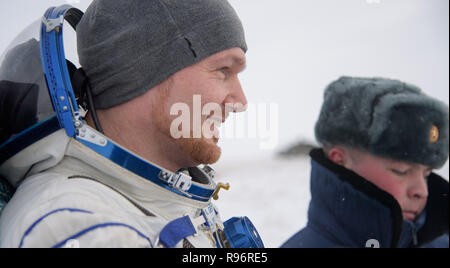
[{"x": 297, "y": 47}]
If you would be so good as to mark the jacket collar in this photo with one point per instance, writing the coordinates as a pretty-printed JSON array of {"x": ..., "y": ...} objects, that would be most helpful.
[{"x": 80, "y": 160}]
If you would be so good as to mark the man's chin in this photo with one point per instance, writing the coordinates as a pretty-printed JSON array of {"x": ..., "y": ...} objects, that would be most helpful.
[{"x": 202, "y": 151}]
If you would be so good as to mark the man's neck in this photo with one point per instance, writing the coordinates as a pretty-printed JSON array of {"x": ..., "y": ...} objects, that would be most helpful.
[{"x": 156, "y": 148}]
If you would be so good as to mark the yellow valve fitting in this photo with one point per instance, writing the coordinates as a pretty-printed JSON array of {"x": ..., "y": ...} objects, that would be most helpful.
[{"x": 220, "y": 186}]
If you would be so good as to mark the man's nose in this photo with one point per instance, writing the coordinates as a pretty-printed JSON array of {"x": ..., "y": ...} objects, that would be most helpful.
[
  {"x": 237, "y": 97},
  {"x": 418, "y": 188}
]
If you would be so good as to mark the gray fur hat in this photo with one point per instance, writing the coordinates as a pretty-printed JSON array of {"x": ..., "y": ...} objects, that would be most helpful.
[
  {"x": 387, "y": 118},
  {"x": 127, "y": 47}
]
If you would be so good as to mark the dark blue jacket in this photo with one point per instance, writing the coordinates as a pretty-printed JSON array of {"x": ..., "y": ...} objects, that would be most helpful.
[{"x": 348, "y": 211}]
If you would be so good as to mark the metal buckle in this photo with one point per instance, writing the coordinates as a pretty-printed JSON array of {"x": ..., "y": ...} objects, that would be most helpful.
[
  {"x": 209, "y": 171},
  {"x": 87, "y": 134},
  {"x": 178, "y": 180},
  {"x": 52, "y": 24}
]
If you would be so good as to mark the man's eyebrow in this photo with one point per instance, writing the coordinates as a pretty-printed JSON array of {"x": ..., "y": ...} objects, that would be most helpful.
[
  {"x": 240, "y": 60},
  {"x": 230, "y": 60}
]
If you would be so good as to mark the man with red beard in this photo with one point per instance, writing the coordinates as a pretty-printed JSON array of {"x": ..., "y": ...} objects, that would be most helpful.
[
  {"x": 142, "y": 59},
  {"x": 143, "y": 124}
]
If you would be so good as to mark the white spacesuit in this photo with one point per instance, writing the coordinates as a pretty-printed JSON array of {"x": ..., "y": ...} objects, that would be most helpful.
[{"x": 71, "y": 193}]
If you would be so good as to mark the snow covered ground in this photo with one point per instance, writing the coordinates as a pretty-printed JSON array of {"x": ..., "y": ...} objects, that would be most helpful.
[{"x": 272, "y": 192}]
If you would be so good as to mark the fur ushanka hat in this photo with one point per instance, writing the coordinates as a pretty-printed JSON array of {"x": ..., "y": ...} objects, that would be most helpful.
[{"x": 387, "y": 118}]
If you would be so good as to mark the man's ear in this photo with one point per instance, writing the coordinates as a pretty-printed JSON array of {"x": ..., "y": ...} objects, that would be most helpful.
[{"x": 338, "y": 156}]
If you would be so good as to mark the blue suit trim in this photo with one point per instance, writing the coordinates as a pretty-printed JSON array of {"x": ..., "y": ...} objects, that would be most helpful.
[
  {"x": 102, "y": 225},
  {"x": 28, "y": 231}
]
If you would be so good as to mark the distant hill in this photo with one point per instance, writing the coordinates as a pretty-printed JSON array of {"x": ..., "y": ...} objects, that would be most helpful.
[{"x": 300, "y": 148}]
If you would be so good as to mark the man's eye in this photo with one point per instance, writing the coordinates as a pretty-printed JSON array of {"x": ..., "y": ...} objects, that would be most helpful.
[
  {"x": 399, "y": 172},
  {"x": 223, "y": 70}
]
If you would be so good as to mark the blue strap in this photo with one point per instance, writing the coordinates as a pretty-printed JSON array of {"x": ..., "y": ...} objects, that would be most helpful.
[
  {"x": 145, "y": 169},
  {"x": 175, "y": 231}
]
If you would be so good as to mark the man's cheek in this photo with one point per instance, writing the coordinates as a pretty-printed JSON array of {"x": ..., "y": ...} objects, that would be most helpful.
[{"x": 397, "y": 189}]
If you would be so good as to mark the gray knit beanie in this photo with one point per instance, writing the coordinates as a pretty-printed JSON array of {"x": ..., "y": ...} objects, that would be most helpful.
[
  {"x": 127, "y": 47},
  {"x": 387, "y": 118}
]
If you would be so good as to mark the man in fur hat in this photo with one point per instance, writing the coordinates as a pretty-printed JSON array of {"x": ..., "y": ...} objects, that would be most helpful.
[{"x": 372, "y": 183}]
